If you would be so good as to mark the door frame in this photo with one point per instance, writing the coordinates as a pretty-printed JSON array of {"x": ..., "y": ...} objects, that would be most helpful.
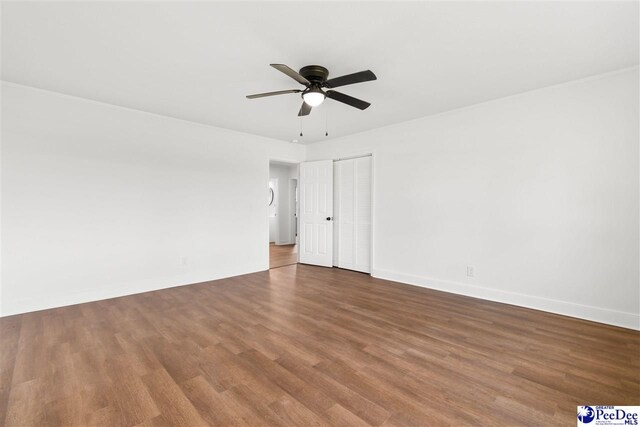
[
  {"x": 292, "y": 212},
  {"x": 276, "y": 194}
]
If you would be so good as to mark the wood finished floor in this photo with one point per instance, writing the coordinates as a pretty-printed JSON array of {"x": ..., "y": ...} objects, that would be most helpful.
[
  {"x": 281, "y": 255},
  {"x": 305, "y": 346}
]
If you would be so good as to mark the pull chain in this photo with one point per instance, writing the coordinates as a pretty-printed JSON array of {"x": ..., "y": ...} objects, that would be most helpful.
[
  {"x": 301, "y": 126},
  {"x": 326, "y": 121}
]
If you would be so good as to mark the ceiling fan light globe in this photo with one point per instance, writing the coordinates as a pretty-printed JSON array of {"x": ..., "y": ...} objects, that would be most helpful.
[{"x": 313, "y": 98}]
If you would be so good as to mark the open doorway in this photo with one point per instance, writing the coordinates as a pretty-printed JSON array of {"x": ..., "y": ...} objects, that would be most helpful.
[{"x": 283, "y": 214}]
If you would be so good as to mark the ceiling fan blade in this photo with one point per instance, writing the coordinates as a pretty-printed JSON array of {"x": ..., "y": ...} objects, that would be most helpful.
[
  {"x": 349, "y": 79},
  {"x": 291, "y": 73},
  {"x": 349, "y": 100},
  {"x": 279, "y": 92},
  {"x": 304, "y": 110}
]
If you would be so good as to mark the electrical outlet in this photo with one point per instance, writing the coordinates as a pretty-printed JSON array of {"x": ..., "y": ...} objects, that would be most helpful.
[{"x": 470, "y": 271}]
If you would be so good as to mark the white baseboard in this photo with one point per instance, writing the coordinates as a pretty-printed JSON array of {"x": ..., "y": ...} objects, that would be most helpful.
[
  {"x": 28, "y": 305},
  {"x": 596, "y": 314}
]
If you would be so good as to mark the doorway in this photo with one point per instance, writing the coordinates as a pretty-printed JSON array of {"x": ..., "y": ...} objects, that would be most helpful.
[{"x": 283, "y": 214}]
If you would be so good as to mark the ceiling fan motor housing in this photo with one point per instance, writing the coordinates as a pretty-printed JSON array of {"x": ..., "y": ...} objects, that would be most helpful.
[{"x": 316, "y": 74}]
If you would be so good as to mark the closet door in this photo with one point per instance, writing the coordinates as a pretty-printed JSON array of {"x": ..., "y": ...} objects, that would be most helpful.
[{"x": 353, "y": 214}]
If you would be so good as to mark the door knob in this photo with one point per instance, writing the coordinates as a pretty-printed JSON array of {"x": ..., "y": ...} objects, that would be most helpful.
[{"x": 329, "y": 218}]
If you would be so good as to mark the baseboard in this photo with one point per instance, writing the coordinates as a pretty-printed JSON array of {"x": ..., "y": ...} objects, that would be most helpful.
[
  {"x": 596, "y": 314},
  {"x": 285, "y": 243},
  {"x": 28, "y": 305}
]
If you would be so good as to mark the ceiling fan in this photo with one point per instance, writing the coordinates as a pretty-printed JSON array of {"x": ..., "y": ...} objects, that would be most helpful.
[{"x": 314, "y": 78}]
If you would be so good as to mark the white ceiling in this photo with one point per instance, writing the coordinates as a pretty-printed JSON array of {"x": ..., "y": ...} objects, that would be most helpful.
[{"x": 197, "y": 61}]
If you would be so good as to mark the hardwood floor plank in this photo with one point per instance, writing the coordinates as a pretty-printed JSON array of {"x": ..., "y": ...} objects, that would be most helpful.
[
  {"x": 9, "y": 339},
  {"x": 365, "y": 409},
  {"x": 256, "y": 407},
  {"x": 339, "y": 416},
  {"x": 173, "y": 405},
  {"x": 216, "y": 409},
  {"x": 26, "y": 404},
  {"x": 308, "y": 394},
  {"x": 294, "y": 413}
]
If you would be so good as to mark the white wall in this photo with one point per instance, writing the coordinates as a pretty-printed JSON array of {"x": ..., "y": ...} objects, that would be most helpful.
[
  {"x": 100, "y": 201},
  {"x": 539, "y": 192},
  {"x": 283, "y": 173}
]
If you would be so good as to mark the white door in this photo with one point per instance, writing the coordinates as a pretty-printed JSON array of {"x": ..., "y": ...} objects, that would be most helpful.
[
  {"x": 352, "y": 247},
  {"x": 316, "y": 213}
]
